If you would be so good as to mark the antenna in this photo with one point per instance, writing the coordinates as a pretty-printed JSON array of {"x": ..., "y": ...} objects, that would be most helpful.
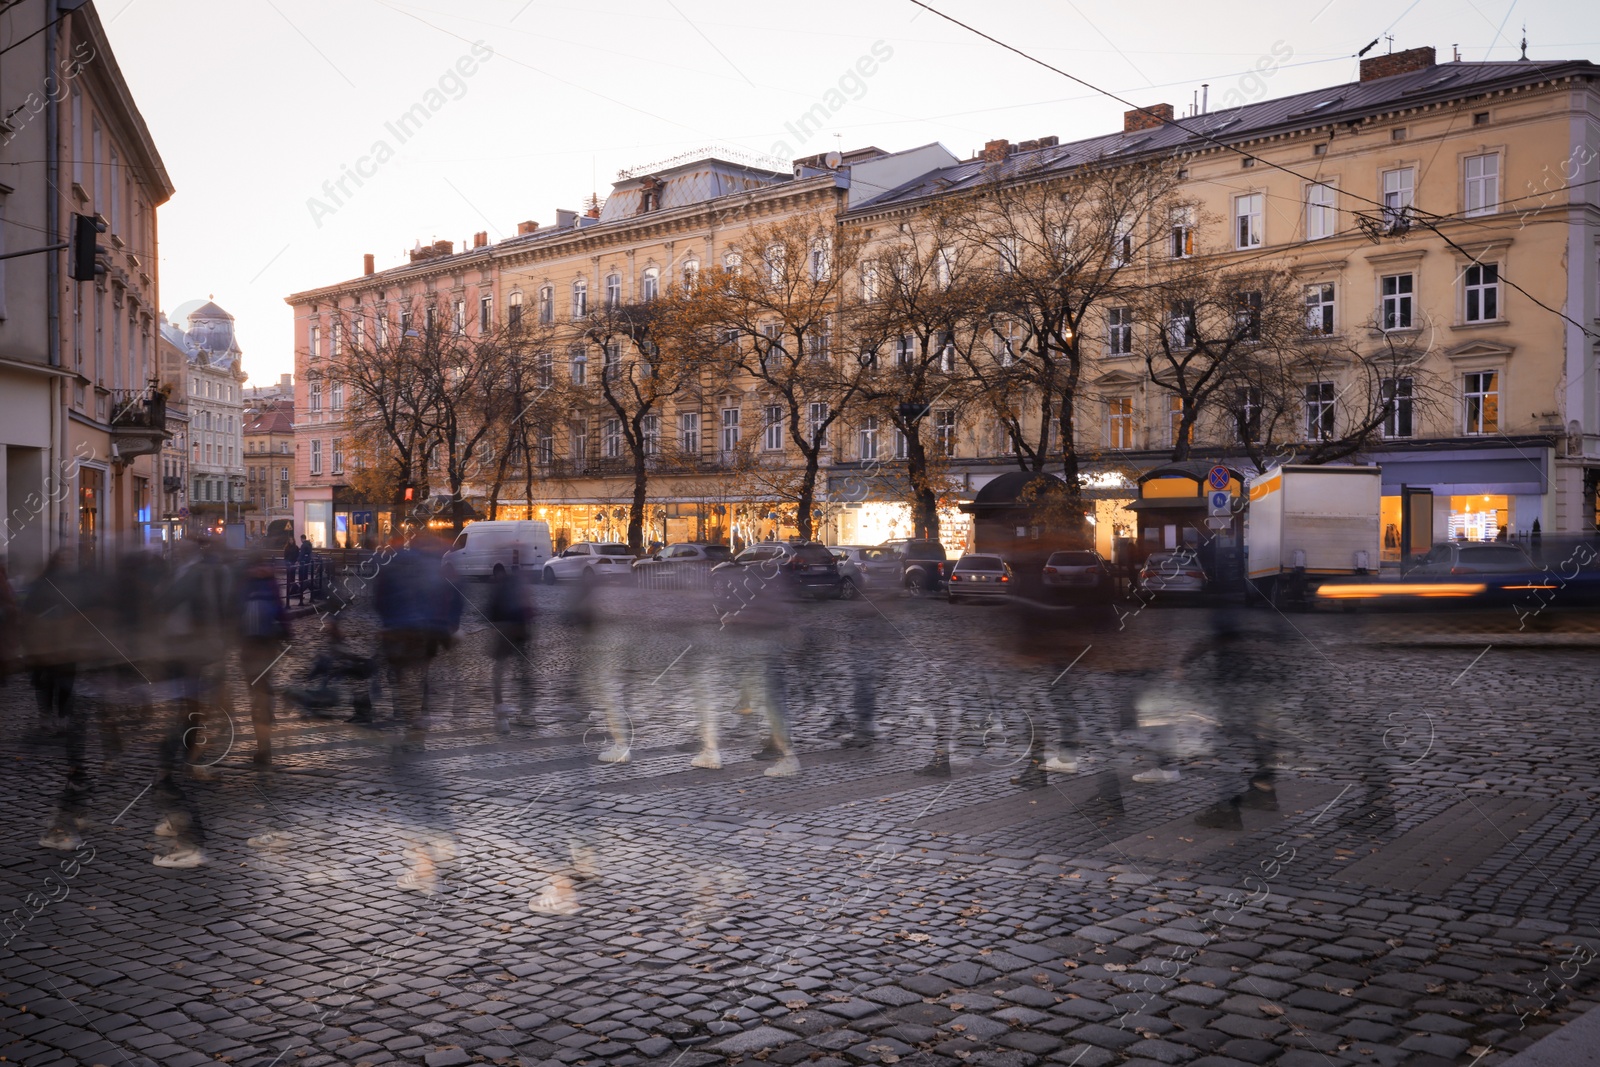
[
  {"x": 1524, "y": 41},
  {"x": 1390, "y": 38}
]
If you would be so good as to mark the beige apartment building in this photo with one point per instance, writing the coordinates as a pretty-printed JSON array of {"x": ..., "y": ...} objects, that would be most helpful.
[
  {"x": 80, "y": 424},
  {"x": 269, "y": 469},
  {"x": 1432, "y": 224}
]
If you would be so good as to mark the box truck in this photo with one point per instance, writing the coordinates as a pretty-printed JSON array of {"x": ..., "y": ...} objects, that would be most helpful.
[{"x": 1306, "y": 525}]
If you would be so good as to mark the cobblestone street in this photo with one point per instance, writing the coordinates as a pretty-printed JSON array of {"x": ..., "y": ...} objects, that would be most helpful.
[{"x": 1426, "y": 892}]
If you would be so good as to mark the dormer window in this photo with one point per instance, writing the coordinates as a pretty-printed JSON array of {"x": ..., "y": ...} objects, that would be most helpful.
[{"x": 650, "y": 194}]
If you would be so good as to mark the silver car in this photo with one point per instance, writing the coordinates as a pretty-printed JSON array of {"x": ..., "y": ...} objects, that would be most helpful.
[
  {"x": 976, "y": 575},
  {"x": 1172, "y": 572},
  {"x": 591, "y": 560},
  {"x": 868, "y": 566}
]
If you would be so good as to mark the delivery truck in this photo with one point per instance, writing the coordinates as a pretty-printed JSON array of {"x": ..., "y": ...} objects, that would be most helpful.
[{"x": 1307, "y": 525}]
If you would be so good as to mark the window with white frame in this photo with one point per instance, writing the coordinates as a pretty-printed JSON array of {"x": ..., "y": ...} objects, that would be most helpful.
[
  {"x": 1175, "y": 431},
  {"x": 733, "y": 263},
  {"x": 730, "y": 430},
  {"x": 358, "y": 330},
  {"x": 613, "y": 290},
  {"x": 902, "y": 444},
  {"x": 869, "y": 357},
  {"x": 868, "y": 438},
  {"x": 405, "y": 323},
  {"x": 1247, "y": 413},
  {"x": 610, "y": 360},
  {"x": 380, "y": 327},
  {"x": 772, "y": 428},
  {"x": 1248, "y": 211},
  {"x": 1322, "y": 216},
  {"x": 544, "y": 369},
  {"x": 1398, "y": 292},
  {"x": 1396, "y": 395},
  {"x": 904, "y": 350},
  {"x": 335, "y": 338},
  {"x": 820, "y": 342},
  {"x": 545, "y": 448},
  {"x": 818, "y": 413},
  {"x": 1399, "y": 187},
  {"x": 649, "y": 284},
  {"x": 689, "y": 433},
  {"x": 1180, "y": 324},
  {"x": 1181, "y": 234},
  {"x": 943, "y": 267},
  {"x": 1319, "y": 411},
  {"x": 547, "y": 305},
  {"x": 869, "y": 284},
  {"x": 1481, "y": 390},
  {"x": 316, "y": 394},
  {"x": 1119, "y": 331},
  {"x": 1481, "y": 282},
  {"x": 1319, "y": 309},
  {"x": 1247, "y": 315},
  {"x": 944, "y": 431},
  {"x": 947, "y": 353},
  {"x": 821, "y": 261},
  {"x": 1009, "y": 251},
  {"x": 514, "y": 310},
  {"x": 314, "y": 342},
  {"x": 580, "y": 298},
  {"x": 775, "y": 258},
  {"x": 611, "y": 438},
  {"x": 1119, "y": 422},
  {"x": 338, "y": 455},
  {"x": 485, "y": 313},
  {"x": 1007, "y": 338},
  {"x": 1121, "y": 244},
  {"x": 1481, "y": 184},
  {"x": 458, "y": 319},
  {"x": 316, "y": 457},
  {"x": 335, "y": 399},
  {"x": 579, "y": 440},
  {"x": 691, "y": 274},
  {"x": 1001, "y": 440},
  {"x": 650, "y": 434},
  {"x": 578, "y": 360}
]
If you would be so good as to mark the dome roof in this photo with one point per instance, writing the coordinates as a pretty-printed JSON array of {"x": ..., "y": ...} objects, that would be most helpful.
[
  {"x": 209, "y": 310},
  {"x": 1008, "y": 489},
  {"x": 210, "y": 337}
]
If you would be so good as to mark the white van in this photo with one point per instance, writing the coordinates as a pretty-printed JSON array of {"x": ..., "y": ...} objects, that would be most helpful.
[{"x": 485, "y": 549}]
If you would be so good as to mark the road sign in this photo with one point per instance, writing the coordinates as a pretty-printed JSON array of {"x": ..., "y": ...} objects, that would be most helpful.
[
  {"x": 1219, "y": 522},
  {"x": 183, "y": 513},
  {"x": 1219, "y": 503},
  {"x": 1218, "y": 478}
]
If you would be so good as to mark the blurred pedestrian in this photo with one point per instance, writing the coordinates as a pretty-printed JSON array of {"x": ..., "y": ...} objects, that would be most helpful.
[
  {"x": 263, "y": 629},
  {"x": 510, "y": 616},
  {"x": 57, "y": 628},
  {"x": 306, "y": 557}
]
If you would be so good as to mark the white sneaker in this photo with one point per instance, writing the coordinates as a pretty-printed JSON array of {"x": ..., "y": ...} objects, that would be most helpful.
[
  {"x": 1158, "y": 774},
  {"x": 419, "y": 882},
  {"x": 184, "y": 857},
  {"x": 502, "y": 718},
  {"x": 614, "y": 754},
  {"x": 164, "y": 828},
  {"x": 1064, "y": 766},
  {"x": 557, "y": 899},
  {"x": 270, "y": 839},
  {"x": 61, "y": 839},
  {"x": 707, "y": 759},
  {"x": 786, "y": 767}
]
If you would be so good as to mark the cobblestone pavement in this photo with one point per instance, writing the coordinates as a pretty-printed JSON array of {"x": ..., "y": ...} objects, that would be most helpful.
[{"x": 1426, "y": 892}]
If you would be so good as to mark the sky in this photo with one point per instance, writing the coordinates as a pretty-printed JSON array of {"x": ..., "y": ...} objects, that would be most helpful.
[{"x": 278, "y": 119}]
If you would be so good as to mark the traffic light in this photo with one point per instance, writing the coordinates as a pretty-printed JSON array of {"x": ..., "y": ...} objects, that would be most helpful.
[{"x": 86, "y": 252}]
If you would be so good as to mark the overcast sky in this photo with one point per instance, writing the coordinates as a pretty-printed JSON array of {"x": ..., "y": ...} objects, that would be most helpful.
[{"x": 260, "y": 108}]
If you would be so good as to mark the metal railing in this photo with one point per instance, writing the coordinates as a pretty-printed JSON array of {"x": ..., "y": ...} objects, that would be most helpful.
[{"x": 674, "y": 575}]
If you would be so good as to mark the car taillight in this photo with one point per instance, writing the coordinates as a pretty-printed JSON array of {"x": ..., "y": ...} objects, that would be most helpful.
[
  {"x": 955, "y": 577},
  {"x": 941, "y": 566},
  {"x": 1050, "y": 570},
  {"x": 1005, "y": 578},
  {"x": 1463, "y": 570}
]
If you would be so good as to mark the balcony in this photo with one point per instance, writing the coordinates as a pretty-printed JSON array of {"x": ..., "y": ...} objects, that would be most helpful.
[{"x": 138, "y": 422}]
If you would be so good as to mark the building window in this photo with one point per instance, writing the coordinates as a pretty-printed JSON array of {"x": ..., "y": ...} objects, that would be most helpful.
[
  {"x": 316, "y": 457},
  {"x": 1119, "y": 422},
  {"x": 1121, "y": 244},
  {"x": 545, "y": 449},
  {"x": 820, "y": 341},
  {"x": 1483, "y": 292},
  {"x": 1180, "y": 324},
  {"x": 691, "y": 274},
  {"x": 1319, "y": 411},
  {"x": 869, "y": 437},
  {"x": 335, "y": 400},
  {"x": 429, "y": 318},
  {"x": 730, "y": 430},
  {"x": 611, "y": 438},
  {"x": 1398, "y": 188},
  {"x": 1319, "y": 309},
  {"x": 650, "y": 284},
  {"x": 901, "y": 443},
  {"x": 1482, "y": 392},
  {"x": 689, "y": 433},
  {"x": 544, "y": 369},
  {"x": 947, "y": 353},
  {"x": 579, "y": 364},
  {"x": 485, "y": 313},
  {"x": 580, "y": 298},
  {"x": 1396, "y": 396},
  {"x": 1010, "y": 253},
  {"x": 405, "y": 324},
  {"x": 1182, "y": 236},
  {"x": 819, "y": 425},
  {"x": 580, "y": 443},
  {"x": 547, "y": 305},
  {"x": 1247, "y": 212},
  {"x": 1175, "y": 419},
  {"x": 1247, "y": 316},
  {"x": 514, "y": 310},
  {"x": 458, "y": 317},
  {"x": 1397, "y": 294},
  {"x": 1322, "y": 218},
  {"x": 821, "y": 259},
  {"x": 1247, "y": 413},
  {"x": 613, "y": 290},
  {"x": 771, "y": 428},
  {"x": 1482, "y": 185},
  {"x": 610, "y": 361},
  {"x": 314, "y": 343},
  {"x": 904, "y": 347},
  {"x": 338, "y": 455},
  {"x": 944, "y": 429},
  {"x": 316, "y": 394},
  {"x": 650, "y": 434}
]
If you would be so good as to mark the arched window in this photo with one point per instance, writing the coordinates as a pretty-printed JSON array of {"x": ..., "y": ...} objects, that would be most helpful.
[
  {"x": 691, "y": 273},
  {"x": 613, "y": 290},
  {"x": 650, "y": 284},
  {"x": 547, "y": 305},
  {"x": 580, "y": 298},
  {"x": 514, "y": 309}
]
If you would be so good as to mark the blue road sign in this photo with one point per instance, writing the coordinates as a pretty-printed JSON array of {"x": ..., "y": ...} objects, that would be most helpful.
[{"x": 1218, "y": 478}]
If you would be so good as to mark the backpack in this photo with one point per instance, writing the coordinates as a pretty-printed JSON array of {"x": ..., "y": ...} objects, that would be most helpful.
[{"x": 263, "y": 616}]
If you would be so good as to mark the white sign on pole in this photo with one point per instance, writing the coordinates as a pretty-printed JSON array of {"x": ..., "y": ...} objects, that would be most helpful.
[
  {"x": 1215, "y": 523},
  {"x": 1221, "y": 503}
]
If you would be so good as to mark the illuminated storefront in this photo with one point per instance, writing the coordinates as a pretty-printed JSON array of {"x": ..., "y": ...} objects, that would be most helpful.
[{"x": 1485, "y": 492}]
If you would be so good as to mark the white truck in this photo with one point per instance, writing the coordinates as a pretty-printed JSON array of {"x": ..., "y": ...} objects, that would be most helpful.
[{"x": 1308, "y": 524}]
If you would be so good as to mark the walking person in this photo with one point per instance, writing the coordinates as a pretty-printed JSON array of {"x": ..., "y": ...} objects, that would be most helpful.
[
  {"x": 510, "y": 615},
  {"x": 291, "y": 564},
  {"x": 263, "y": 628},
  {"x": 305, "y": 556},
  {"x": 56, "y": 624}
]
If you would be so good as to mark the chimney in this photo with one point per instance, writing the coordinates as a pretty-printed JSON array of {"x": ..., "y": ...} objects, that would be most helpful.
[
  {"x": 480, "y": 239},
  {"x": 526, "y": 227},
  {"x": 566, "y": 220},
  {"x": 1148, "y": 119},
  {"x": 368, "y": 264},
  {"x": 1049, "y": 142},
  {"x": 1412, "y": 59},
  {"x": 444, "y": 248},
  {"x": 996, "y": 151}
]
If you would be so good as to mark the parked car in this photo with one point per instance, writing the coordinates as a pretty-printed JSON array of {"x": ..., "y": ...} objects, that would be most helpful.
[
  {"x": 1078, "y": 573},
  {"x": 686, "y": 565},
  {"x": 589, "y": 559},
  {"x": 866, "y": 567},
  {"x": 924, "y": 565},
  {"x": 977, "y": 575},
  {"x": 490, "y": 549},
  {"x": 806, "y": 568},
  {"x": 1172, "y": 572},
  {"x": 687, "y": 552}
]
